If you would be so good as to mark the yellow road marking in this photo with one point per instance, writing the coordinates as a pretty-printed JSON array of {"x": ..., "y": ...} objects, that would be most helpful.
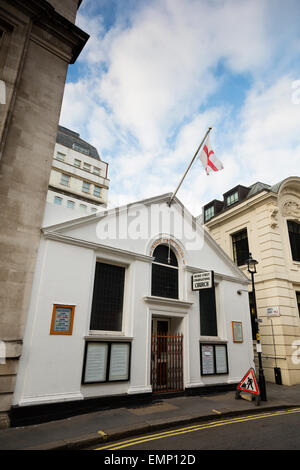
[
  {"x": 103, "y": 434},
  {"x": 198, "y": 427},
  {"x": 216, "y": 411}
]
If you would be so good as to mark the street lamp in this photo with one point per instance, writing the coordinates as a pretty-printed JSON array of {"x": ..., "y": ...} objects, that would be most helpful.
[{"x": 251, "y": 263}]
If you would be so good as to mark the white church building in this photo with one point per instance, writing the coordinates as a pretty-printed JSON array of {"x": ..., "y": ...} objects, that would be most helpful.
[{"x": 114, "y": 313}]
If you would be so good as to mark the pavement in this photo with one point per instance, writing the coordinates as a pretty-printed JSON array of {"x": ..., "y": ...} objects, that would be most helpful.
[{"x": 92, "y": 429}]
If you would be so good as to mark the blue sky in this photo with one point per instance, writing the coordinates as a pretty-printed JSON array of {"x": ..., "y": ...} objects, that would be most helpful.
[{"x": 155, "y": 74}]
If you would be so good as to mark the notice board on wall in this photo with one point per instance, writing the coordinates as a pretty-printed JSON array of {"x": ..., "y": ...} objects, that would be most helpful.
[
  {"x": 213, "y": 359},
  {"x": 62, "y": 319},
  {"x": 106, "y": 361}
]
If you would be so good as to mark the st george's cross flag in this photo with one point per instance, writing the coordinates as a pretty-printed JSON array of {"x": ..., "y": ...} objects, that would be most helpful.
[{"x": 208, "y": 158}]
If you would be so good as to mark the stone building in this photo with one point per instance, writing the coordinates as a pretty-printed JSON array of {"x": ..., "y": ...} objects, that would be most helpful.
[
  {"x": 265, "y": 220},
  {"x": 78, "y": 178},
  {"x": 38, "y": 40}
]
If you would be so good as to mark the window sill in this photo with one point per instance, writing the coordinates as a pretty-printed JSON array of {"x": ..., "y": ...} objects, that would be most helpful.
[
  {"x": 166, "y": 301},
  {"x": 212, "y": 339},
  {"x": 93, "y": 336}
]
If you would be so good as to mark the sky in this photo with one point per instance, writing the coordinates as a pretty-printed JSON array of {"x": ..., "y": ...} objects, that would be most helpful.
[{"x": 155, "y": 74}]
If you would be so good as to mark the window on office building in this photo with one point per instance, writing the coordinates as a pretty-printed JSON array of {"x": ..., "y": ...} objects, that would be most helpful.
[
  {"x": 164, "y": 273},
  {"x": 97, "y": 191},
  {"x": 294, "y": 235},
  {"x": 70, "y": 204},
  {"x": 57, "y": 200},
  {"x": 86, "y": 187},
  {"x": 208, "y": 312},
  {"x": 107, "y": 305},
  {"x": 83, "y": 207},
  {"x": 232, "y": 198},
  {"x": 209, "y": 213},
  {"x": 77, "y": 163},
  {"x": 65, "y": 180},
  {"x": 240, "y": 247},
  {"x": 96, "y": 171},
  {"x": 80, "y": 149},
  {"x": 60, "y": 156},
  {"x": 86, "y": 166}
]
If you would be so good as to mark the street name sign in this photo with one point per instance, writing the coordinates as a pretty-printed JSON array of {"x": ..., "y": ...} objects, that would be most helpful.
[
  {"x": 203, "y": 280},
  {"x": 273, "y": 312}
]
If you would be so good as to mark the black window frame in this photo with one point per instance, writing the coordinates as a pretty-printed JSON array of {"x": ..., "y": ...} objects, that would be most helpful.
[
  {"x": 207, "y": 343},
  {"x": 95, "y": 308},
  {"x": 238, "y": 259},
  {"x": 235, "y": 201},
  {"x": 205, "y": 315},
  {"x": 209, "y": 213},
  {"x": 109, "y": 343},
  {"x": 294, "y": 237},
  {"x": 162, "y": 273},
  {"x": 298, "y": 301}
]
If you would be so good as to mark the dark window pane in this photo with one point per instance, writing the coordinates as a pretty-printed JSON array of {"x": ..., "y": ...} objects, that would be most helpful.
[
  {"x": 107, "y": 307},
  {"x": 298, "y": 301},
  {"x": 162, "y": 255},
  {"x": 240, "y": 247},
  {"x": 164, "y": 281},
  {"x": 294, "y": 234},
  {"x": 208, "y": 312}
]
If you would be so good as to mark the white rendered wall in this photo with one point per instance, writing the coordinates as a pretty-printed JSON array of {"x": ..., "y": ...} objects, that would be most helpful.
[{"x": 51, "y": 365}]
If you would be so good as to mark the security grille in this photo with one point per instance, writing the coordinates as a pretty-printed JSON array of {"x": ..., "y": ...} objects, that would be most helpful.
[{"x": 167, "y": 363}]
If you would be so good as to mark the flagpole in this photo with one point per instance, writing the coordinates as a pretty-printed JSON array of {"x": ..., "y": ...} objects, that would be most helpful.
[{"x": 192, "y": 161}]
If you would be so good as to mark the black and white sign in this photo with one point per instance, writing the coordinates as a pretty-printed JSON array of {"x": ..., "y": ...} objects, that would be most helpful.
[
  {"x": 214, "y": 359},
  {"x": 208, "y": 367},
  {"x": 204, "y": 280},
  {"x": 106, "y": 362}
]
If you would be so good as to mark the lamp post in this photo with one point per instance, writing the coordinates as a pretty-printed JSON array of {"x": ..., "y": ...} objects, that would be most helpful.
[{"x": 251, "y": 263}]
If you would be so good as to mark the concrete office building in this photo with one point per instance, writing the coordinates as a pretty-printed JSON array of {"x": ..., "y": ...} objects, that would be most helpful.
[
  {"x": 38, "y": 40},
  {"x": 78, "y": 178},
  {"x": 265, "y": 220}
]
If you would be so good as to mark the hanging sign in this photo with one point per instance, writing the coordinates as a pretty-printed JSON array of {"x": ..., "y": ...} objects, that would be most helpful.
[{"x": 203, "y": 280}]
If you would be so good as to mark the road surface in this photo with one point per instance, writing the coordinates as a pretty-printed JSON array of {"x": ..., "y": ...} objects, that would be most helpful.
[{"x": 273, "y": 430}]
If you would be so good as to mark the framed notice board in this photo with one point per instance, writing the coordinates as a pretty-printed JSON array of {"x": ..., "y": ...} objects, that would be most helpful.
[
  {"x": 213, "y": 359},
  {"x": 106, "y": 361},
  {"x": 62, "y": 319},
  {"x": 237, "y": 332}
]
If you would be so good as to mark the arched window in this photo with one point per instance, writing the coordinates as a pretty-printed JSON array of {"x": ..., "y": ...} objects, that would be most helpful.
[{"x": 164, "y": 273}]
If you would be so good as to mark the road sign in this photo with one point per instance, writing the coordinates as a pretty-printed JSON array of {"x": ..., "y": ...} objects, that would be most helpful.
[
  {"x": 203, "y": 280},
  {"x": 273, "y": 312},
  {"x": 249, "y": 383}
]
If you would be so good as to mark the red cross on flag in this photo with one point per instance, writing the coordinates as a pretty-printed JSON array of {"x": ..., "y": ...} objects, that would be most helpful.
[{"x": 208, "y": 158}]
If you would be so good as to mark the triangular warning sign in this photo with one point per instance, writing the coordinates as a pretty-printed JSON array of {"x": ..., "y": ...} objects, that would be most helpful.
[{"x": 249, "y": 383}]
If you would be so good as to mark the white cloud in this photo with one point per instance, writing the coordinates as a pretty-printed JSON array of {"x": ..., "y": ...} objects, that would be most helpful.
[
  {"x": 144, "y": 85},
  {"x": 269, "y": 135}
]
